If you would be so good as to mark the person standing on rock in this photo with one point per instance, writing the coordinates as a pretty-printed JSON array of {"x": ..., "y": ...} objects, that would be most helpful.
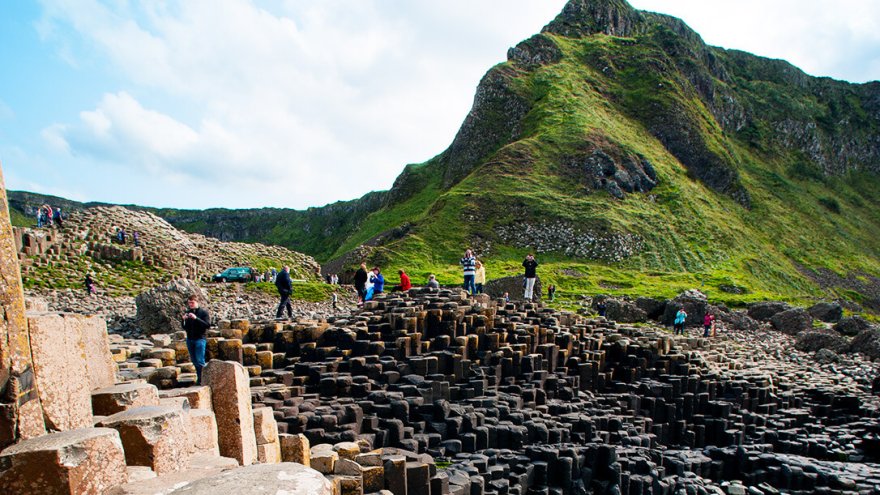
[
  {"x": 678, "y": 324},
  {"x": 136, "y": 238},
  {"x": 58, "y": 217},
  {"x": 196, "y": 323},
  {"x": 551, "y": 291},
  {"x": 480, "y": 277},
  {"x": 90, "y": 285},
  {"x": 469, "y": 264},
  {"x": 377, "y": 280},
  {"x": 531, "y": 266},
  {"x": 708, "y": 320},
  {"x": 360, "y": 283},
  {"x": 285, "y": 290},
  {"x": 602, "y": 307}
]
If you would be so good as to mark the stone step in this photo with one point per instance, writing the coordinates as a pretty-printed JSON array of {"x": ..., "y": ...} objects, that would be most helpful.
[{"x": 200, "y": 466}]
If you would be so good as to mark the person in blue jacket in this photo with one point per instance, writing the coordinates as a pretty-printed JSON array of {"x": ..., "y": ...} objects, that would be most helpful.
[{"x": 378, "y": 280}]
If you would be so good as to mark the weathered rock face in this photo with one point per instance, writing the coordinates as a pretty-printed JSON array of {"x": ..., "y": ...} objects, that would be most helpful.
[
  {"x": 763, "y": 311},
  {"x": 494, "y": 120},
  {"x": 852, "y": 325},
  {"x": 829, "y": 312},
  {"x": 60, "y": 369},
  {"x": 597, "y": 170},
  {"x": 738, "y": 320},
  {"x": 21, "y": 414},
  {"x": 570, "y": 239},
  {"x": 792, "y": 321},
  {"x": 534, "y": 52},
  {"x": 153, "y": 436},
  {"x": 123, "y": 396},
  {"x": 160, "y": 310},
  {"x": 82, "y": 461}
]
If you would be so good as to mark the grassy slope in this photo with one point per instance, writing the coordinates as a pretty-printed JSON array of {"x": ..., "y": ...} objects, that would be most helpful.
[{"x": 694, "y": 237}]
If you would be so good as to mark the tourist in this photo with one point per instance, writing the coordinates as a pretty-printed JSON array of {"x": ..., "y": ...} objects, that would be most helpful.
[
  {"x": 469, "y": 264},
  {"x": 334, "y": 279},
  {"x": 708, "y": 323},
  {"x": 335, "y": 298},
  {"x": 405, "y": 283},
  {"x": 678, "y": 324},
  {"x": 136, "y": 238},
  {"x": 551, "y": 291},
  {"x": 90, "y": 285},
  {"x": 274, "y": 274},
  {"x": 39, "y": 218},
  {"x": 507, "y": 297},
  {"x": 480, "y": 277},
  {"x": 602, "y": 308},
  {"x": 531, "y": 274},
  {"x": 58, "y": 219},
  {"x": 285, "y": 290},
  {"x": 360, "y": 283},
  {"x": 432, "y": 282},
  {"x": 120, "y": 235},
  {"x": 377, "y": 280},
  {"x": 196, "y": 323}
]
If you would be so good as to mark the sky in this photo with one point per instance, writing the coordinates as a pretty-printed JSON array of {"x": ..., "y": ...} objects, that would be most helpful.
[{"x": 299, "y": 103}]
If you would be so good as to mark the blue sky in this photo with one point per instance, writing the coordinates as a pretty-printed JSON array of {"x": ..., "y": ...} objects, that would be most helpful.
[{"x": 293, "y": 103}]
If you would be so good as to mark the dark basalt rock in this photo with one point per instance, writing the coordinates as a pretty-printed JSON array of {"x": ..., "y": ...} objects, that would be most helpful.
[
  {"x": 763, "y": 311},
  {"x": 852, "y": 325},
  {"x": 829, "y": 312},
  {"x": 792, "y": 321}
]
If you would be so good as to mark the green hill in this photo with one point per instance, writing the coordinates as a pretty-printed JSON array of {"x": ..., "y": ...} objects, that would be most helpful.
[{"x": 633, "y": 159}]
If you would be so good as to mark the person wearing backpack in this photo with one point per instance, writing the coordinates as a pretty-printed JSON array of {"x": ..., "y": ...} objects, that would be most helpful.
[{"x": 285, "y": 290}]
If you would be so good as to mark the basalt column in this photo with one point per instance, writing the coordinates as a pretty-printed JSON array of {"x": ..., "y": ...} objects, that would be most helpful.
[{"x": 21, "y": 415}]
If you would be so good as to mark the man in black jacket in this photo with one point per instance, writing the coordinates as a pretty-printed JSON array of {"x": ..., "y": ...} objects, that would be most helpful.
[
  {"x": 285, "y": 289},
  {"x": 360, "y": 283},
  {"x": 196, "y": 323}
]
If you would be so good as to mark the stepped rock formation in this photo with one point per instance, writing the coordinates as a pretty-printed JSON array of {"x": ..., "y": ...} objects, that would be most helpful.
[{"x": 87, "y": 243}]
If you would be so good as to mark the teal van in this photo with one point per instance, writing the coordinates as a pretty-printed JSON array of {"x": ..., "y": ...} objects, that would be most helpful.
[{"x": 235, "y": 274}]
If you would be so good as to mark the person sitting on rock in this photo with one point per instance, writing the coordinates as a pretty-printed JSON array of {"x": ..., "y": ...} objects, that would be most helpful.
[
  {"x": 432, "y": 282},
  {"x": 285, "y": 290},
  {"x": 405, "y": 283},
  {"x": 196, "y": 322}
]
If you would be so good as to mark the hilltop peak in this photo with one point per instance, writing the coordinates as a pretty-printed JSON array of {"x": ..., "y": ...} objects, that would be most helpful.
[{"x": 584, "y": 17}]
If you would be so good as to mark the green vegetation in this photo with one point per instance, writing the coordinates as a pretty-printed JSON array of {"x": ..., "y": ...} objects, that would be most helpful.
[
  {"x": 302, "y": 291},
  {"x": 19, "y": 219}
]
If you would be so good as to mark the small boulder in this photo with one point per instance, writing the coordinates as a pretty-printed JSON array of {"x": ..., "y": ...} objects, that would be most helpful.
[
  {"x": 867, "y": 343},
  {"x": 814, "y": 340},
  {"x": 763, "y": 311},
  {"x": 852, "y": 325},
  {"x": 829, "y": 312},
  {"x": 160, "y": 310},
  {"x": 792, "y": 321}
]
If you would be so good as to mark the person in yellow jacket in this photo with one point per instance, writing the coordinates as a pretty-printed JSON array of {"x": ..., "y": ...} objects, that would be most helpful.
[{"x": 480, "y": 276}]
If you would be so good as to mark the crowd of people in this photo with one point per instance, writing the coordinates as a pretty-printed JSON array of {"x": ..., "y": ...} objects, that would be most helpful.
[{"x": 49, "y": 217}]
